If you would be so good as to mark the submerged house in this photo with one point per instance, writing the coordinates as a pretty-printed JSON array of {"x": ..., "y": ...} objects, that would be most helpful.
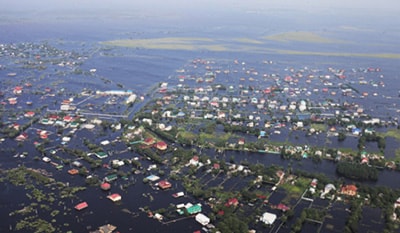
[
  {"x": 114, "y": 197},
  {"x": 164, "y": 184},
  {"x": 81, "y": 206}
]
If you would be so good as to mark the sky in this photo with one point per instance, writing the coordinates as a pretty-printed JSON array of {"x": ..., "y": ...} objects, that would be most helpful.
[
  {"x": 272, "y": 15},
  {"x": 202, "y": 5}
]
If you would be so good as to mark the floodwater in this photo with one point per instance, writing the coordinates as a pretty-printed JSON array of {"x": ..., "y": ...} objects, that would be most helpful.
[{"x": 138, "y": 70}]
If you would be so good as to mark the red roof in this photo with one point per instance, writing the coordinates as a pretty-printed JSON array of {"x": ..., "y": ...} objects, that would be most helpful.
[
  {"x": 73, "y": 171},
  {"x": 114, "y": 197},
  {"x": 149, "y": 141},
  {"x": 29, "y": 114},
  {"x": 68, "y": 118},
  {"x": 164, "y": 184},
  {"x": 232, "y": 202},
  {"x": 282, "y": 207},
  {"x": 81, "y": 206},
  {"x": 349, "y": 190},
  {"x": 53, "y": 117},
  {"x": 161, "y": 145},
  {"x": 105, "y": 186}
]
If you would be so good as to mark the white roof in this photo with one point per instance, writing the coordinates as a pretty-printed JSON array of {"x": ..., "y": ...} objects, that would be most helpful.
[
  {"x": 268, "y": 218},
  {"x": 105, "y": 142},
  {"x": 202, "y": 219}
]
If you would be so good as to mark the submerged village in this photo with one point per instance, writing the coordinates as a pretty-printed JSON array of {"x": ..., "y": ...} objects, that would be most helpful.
[{"x": 218, "y": 146}]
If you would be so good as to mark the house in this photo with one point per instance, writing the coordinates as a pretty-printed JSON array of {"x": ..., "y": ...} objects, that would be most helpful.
[
  {"x": 43, "y": 134},
  {"x": 268, "y": 218},
  {"x": 149, "y": 141},
  {"x": 105, "y": 142},
  {"x": 22, "y": 137},
  {"x": 73, "y": 171},
  {"x": 193, "y": 209},
  {"x": 329, "y": 187},
  {"x": 397, "y": 203},
  {"x": 314, "y": 183},
  {"x": 356, "y": 131},
  {"x": 29, "y": 114},
  {"x": 111, "y": 177},
  {"x": 221, "y": 115},
  {"x": 241, "y": 141},
  {"x": 350, "y": 190},
  {"x": 178, "y": 194},
  {"x": 66, "y": 139},
  {"x": 105, "y": 186},
  {"x": 202, "y": 219},
  {"x": 164, "y": 184},
  {"x": 81, "y": 206},
  {"x": 216, "y": 166},
  {"x": 106, "y": 229},
  {"x": 153, "y": 178},
  {"x": 76, "y": 163},
  {"x": 282, "y": 207},
  {"x": 12, "y": 100},
  {"x": 15, "y": 126},
  {"x": 17, "y": 90},
  {"x": 117, "y": 163},
  {"x": 101, "y": 155},
  {"x": 364, "y": 160},
  {"x": 114, "y": 197},
  {"x": 161, "y": 145},
  {"x": 194, "y": 161},
  {"x": 148, "y": 121},
  {"x": 44, "y": 121},
  {"x": 232, "y": 202},
  {"x": 68, "y": 118}
]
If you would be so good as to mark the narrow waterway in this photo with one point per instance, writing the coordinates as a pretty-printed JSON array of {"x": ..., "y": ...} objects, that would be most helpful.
[{"x": 327, "y": 167}]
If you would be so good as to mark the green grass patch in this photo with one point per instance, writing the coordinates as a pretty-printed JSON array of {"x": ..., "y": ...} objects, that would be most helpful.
[
  {"x": 397, "y": 155},
  {"x": 187, "y": 135},
  {"x": 295, "y": 190},
  {"x": 394, "y": 133},
  {"x": 318, "y": 127},
  {"x": 247, "y": 45}
]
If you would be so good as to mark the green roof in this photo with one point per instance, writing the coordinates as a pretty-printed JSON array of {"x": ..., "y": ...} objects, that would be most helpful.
[
  {"x": 101, "y": 155},
  {"x": 194, "y": 209},
  {"x": 111, "y": 177}
]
